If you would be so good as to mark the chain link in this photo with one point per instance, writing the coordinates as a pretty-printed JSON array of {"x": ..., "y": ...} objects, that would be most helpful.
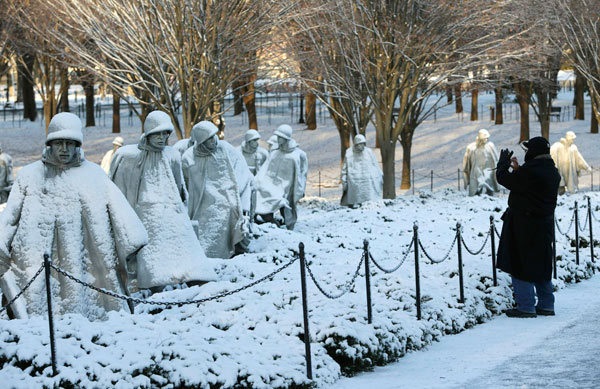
[
  {"x": 36, "y": 275},
  {"x": 174, "y": 303},
  {"x": 472, "y": 252},
  {"x": 349, "y": 284},
  {"x": 408, "y": 250},
  {"x": 594, "y": 216},
  {"x": 496, "y": 231},
  {"x": 585, "y": 223},
  {"x": 445, "y": 256},
  {"x": 568, "y": 229}
]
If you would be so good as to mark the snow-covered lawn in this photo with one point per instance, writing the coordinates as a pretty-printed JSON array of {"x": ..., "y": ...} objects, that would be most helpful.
[{"x": 254, "y": 338}]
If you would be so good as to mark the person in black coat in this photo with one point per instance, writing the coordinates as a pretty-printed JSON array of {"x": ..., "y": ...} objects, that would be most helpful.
[{"x": 525, "y": 248}]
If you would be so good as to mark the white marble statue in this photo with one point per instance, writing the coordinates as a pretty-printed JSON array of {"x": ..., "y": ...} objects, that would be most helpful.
[
  {"x": 219, "y": 185},
  {"x": 569, "y": 162},
  {"x": 254, "y": 155},
  {"x": 479, "y": 163},
  {"x": 362, "y": 179},
  {"x": 106, "y": 161},
  {"x": 183, "y": 144},
  {"x": 68, "y": 207},
  {"x": 6, "y": 175},
  {"x": 149, "y": 175},
  {"x": 272, "y": 142},
  {"x": 281, "y": 181}
]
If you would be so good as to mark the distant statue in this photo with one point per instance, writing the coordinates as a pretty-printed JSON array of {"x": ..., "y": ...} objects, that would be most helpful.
[
  {"x": 219, "y": 185},
  {"x": 254, "y": 155},
  {"x": 479, "y": 164},
  {"x": 183, "y": 144},
  {"x": 218, "y": 119},
  {"x": 569, "y": 162},
  {"x": 149, "y": 175},
  {"x": 362, "y": 179},
  {"x": 6, "y": 175},
  {"x": 281, "y": 181},
  {"x": 272, "y": 142},
  {"x": 105, "y": 164},
  {"x": 68, "y": 207}
]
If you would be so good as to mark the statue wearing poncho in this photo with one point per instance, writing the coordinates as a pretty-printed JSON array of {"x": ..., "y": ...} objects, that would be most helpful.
[
  {"x": 67, "y": 206},
  {"x": 6, "y": 176},
  {"x": 569, "y": 162},
  {"x": 149, "y": 175},
  {"x": 479, "y": 164},
  {"x": 281, "y": 181},
  {"x": 362, "y": 179},
  {"x": 254, "y": 155},
  {"x": 219, "y": 185}
]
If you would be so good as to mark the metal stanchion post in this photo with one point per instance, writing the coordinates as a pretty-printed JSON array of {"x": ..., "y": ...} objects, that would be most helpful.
[
  {"x": 589, "y": 204},
  {"x": 368, "y": 281},
  {"x": 305, "y": 312},
  {"x": 50, "y": 317},
  {"x": 493, "y": 238},
  {"x": 460, "y": 264},
  {"x": 576, "y": 233},
  {"x": 417, "y": 281}
]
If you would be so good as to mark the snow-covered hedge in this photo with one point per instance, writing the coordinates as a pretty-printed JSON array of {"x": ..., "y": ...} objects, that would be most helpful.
[{"x": 253, "y": 339}]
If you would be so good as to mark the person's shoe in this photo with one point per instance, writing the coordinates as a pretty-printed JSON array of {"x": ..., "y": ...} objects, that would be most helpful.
[
  {"x": 517, "y": 313},
  {"x": 544, "y": 312}
]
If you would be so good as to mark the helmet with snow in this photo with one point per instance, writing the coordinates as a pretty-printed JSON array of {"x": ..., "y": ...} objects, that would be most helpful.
[
  {"x": 570, "y": 135},
  {"x": 360, "y": 139},
  {"x": 284, "y": 131},
  {"x": 272, "y": 140},
  {"x": 65, "y": 125},
  {"x": 251, "y": 135},
  {"x": 483, "y": 134},
  {"x": 118, "y": 141},
  {"x": 157, "y": 121},
  {"x": 203, "y": 131}
]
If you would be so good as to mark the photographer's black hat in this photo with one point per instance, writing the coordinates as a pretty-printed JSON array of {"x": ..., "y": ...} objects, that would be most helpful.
[{"x": 538, "y": 145}]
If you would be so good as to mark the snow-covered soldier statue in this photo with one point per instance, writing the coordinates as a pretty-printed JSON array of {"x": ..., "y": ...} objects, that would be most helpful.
[
  {"x": 272, "y": 142},
  {"x": 569, "y": 162},
  {"x": 362, "y": 179},
  {"x": 219, "y": 185},
  {"x": 150, "y": 176},
  {"x": 6, "y": 175},
  {"x": 106, "y": 161},
  {"x": 254, "y": 155},
  {"x": 281, "y": 181},
  {"x": 183, "y": 144},
  {"x": 479, "y": 164},
  {"x": 68, "y": 207}
]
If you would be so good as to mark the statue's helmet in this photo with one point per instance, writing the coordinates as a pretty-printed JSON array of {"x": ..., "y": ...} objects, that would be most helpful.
[
  {"x": 118, "y": 141},
  {"x": 157, "y": 121},
  {"x": 272, "y": 140},
  {"x": 284, "y": 131},
  {"x": 203, "y": 131},
  {"x": 251, "y": 135},
  {"x": 65, "y": 125},
  {"x": 570, "y": 135},
  {"x": 483, "y": 134},
  {"x": 360, "y": 139}
]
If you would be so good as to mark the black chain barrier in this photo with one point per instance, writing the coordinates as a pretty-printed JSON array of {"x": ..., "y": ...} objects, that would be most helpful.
[
  {"x": 348, "y": 284},
  {"x": 436, "y": 260},
  {"x": 173, "y": 303},
  {"x": 585, "y": 223},
  {"x": 496, "y": 231},
  {"x": 475, "y": 252},
  {"x": 560, "y": 231},
  {"x": 388, "y": 271},
  {"x": 27, "y": 285}
]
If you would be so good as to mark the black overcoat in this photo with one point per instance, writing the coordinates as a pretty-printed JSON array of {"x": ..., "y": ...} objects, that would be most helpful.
[{"x": 525, "y": 248}]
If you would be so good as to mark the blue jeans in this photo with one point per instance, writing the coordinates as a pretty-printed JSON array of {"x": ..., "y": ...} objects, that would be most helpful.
[{"x": 525, "y": 296}]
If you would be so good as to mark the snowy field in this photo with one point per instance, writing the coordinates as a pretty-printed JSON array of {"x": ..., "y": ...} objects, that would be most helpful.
[{"x": 254, "y": 338}]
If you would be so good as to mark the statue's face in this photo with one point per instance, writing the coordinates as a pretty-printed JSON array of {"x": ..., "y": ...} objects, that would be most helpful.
[
  {"x": 253, "y": 144},
  {"x": 281, "y": 141},
  {"x": 159, "y": 139},
  {"x": 210, "y": 142},
  {"x": 360, "y": 147},
  {"x": 64, "y": 150}
]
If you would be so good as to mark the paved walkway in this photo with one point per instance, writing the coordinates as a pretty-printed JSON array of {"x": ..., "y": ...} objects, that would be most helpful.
[{"x": 547, "y": 352}]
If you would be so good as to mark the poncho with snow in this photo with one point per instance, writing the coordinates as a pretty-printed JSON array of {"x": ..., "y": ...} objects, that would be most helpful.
[
  {"x": 254, "y": 159},
  {"x": 479, "y": 163},
  {"x": 6, "y": 176},
  {"x": 106, "y": 160},
  {"x": 152, "y": 182},
  {"x": 182, "y": 145},
  {"x": 219, "y": 185},
  {"x": 361, "y": 176},
  {"x": 281, "y": 181},
  {"x": 569, "y": 162},
  {"x": 82, "y": 218}
]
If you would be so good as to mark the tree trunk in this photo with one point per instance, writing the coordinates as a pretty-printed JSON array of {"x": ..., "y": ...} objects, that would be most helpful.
[
  {"x": 311, "y": 111},
  {"x": 238, "y": 104},
  {"x": 19, "y": 86},
  {"x": 449, "y": 94},
  {"x": 594, "y": 121},
  {"x": 49, "y": 110},
  {"x": 544, "y": 103},
  {"x": 523, "y": 101},
  {"x": 26, "y": 71},
  {"x": 249, "y": 98},
  {"x": 301, "y": 110},
  {"x": 116, "y": 122},
  {"x": 388, "y": 162},
  {"x": 458, "y": 98},
  {"x": 474, "y": 105},
  {"x": 499, "y": 114},
  {"x": 578, "y": 98},
  {"x": 88, "y": 88},
  {"x": 64, "y": 87}
]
